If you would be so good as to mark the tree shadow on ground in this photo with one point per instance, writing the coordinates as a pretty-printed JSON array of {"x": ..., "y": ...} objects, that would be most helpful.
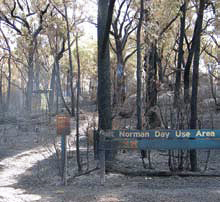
[{"x": 43, "y": 180}]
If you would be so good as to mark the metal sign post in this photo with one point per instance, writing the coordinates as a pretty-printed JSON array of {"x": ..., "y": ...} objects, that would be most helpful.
[
  {"x": 63, "y": 129},
  {"x": 102, "y": 159}
]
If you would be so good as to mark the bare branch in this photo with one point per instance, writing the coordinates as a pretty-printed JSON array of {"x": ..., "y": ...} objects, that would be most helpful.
[
  {"x": 125, "y": 38},
  {"x": 22, "y": 20},
  {"x": 57, "y": 9},
  {"x": 20, "y": 6},
  {"x": 125, "y": 14},
  {"x": 214, "y": 39},
  {"x": 42, "y": 13},
  {"x": 169, "y": 24},
  {"x": 111, "y": 45},
  {"x": 119, "y": 12},
  {"x": 5, "y": 19},
  {"x": 28, "y": 8},
  {"x": 129, "y": 55},
  {"x": 211, "y": 55}
]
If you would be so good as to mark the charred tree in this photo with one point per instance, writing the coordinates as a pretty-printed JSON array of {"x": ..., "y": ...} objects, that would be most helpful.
[
  {"x": 195, "y": 79},
  {"x": 70, "y": 61},
  {"x": 77, "y": 107},
  {"x": 52, "y": 89},
  {"x": 180, "y": 57},
  {"x": 139, "y": 74},
  {"x": 151, "y": 89},
  {"x": 122, "y": 28},
  {"x": 105, "y": 11}
]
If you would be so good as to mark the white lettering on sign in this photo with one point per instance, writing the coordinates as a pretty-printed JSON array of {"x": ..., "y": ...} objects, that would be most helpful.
[
  {"x": 205, "y": 133},
  {"x": 180, "y": 133},
  {"x": 162, "y": 134},
  {"x": 134, "y": 134}
]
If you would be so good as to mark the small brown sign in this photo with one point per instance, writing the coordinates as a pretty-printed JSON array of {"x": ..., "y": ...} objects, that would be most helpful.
[{"x": 63, "y": 124}]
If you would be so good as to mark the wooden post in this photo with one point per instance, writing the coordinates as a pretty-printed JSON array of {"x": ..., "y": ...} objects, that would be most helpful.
[
  {"x": 102, "y": 159},
  {"x": 64, "y": 159},
  {"x": 96, "y": 144},
  {"x": 63, "y": 129}
]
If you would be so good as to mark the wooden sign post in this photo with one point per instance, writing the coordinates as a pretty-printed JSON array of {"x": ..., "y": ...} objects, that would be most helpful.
[
  {"x": 102, "y": 159},
  {"x": 63, "y": 129}
]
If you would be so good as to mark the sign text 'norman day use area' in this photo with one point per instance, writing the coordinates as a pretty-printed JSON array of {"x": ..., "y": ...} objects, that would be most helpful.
[
  {"x": 164, "y": 139},
  {"x": 156, "y": 139}
]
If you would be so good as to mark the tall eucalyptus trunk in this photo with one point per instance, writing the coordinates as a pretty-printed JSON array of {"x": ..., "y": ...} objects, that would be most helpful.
[
  {"x": 77, "y": 106},
  {"x": 189, "y": 63},
  {"x": 195, "y": 79},
  {"x": 105, "y": 11},
  {"x": 138, "y": 73},
  {"x": 52, "y": 89},
  {"x": 70, "y": 61},
  {"x": 1, "y": 95},
  {"x": 180, "y": 57},
  {"x": 104, "y": 82},
  {"x": 151, "y": 89},
  {"x": 9, "y": 70},
  {"x": 30, "y": 61}
]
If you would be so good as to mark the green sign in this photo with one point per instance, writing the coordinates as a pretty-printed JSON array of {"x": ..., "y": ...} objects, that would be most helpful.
[
  {"x": 164, "y": 139},
  {"x": 163, "y": 134}
]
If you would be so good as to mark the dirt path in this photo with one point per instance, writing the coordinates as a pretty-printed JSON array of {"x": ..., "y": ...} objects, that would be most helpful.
[
  {"x": 118, "y": 188},
  {"x": 19, "y": 180},
  {"x": 12, "y": 168}
]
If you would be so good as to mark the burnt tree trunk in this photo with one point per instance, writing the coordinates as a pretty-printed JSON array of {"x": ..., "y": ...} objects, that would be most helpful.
[
  {"x": 70, "y": 62},
  {"x": 32, "y": 48},
  {"x": 37, "y": 82},
  {"x": 180, "y": 57},
  {"x": 195, "y": 79},
  {"x": 138, "y": 74},
  {"x": 1, "y": 96},
  {"x": 105, "y": 11},
  {"x": 9, "y": 71},
  {"x": 104, "y": 80},
  {"x": 161, "y": 70},
  {"x": 189, "y": 63},
  {"x": 151, "y": 97},
  {"x": 77, "y": 108},
  {"x": 57, "y": 57},
  {"x": 120, "y": 92},
  {"x": 59, "y": 88},
  {"x": 122, "y": 28},
  {"x": 52, "y": 89}
]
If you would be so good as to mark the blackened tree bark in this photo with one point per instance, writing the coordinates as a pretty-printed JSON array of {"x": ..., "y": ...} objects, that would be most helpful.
[
  {"x": 189, "y": 63},
  {"x": 1, "y": 96},
  {"x": 187, "y": 71},
  {"x": 105, "y": 11},
  {"x": 37, "y": 81},
  {"x": 9, "y": 70},
  {"x": 122, "y": 28},
  {"x": 70, "y": 61},
  {"x": 195, "y": 78},
  {"x": 30, "y": 60},
  {"x": 151, "y": 89},
  {"x": 151, "y": 94},
  {"x": 139, "y": 75},
  {"x": 58, "y": 83},
  {"x": 77, "y": 107},
  {"x": 52, "y": 90},
  {"x": 180, "y": 56},
  {"x": 57, "y": 56},
  {"x": 161, "y": 69}
]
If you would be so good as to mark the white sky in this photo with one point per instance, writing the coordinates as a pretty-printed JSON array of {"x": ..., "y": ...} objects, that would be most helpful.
[{"x": 89, "y": 28}]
